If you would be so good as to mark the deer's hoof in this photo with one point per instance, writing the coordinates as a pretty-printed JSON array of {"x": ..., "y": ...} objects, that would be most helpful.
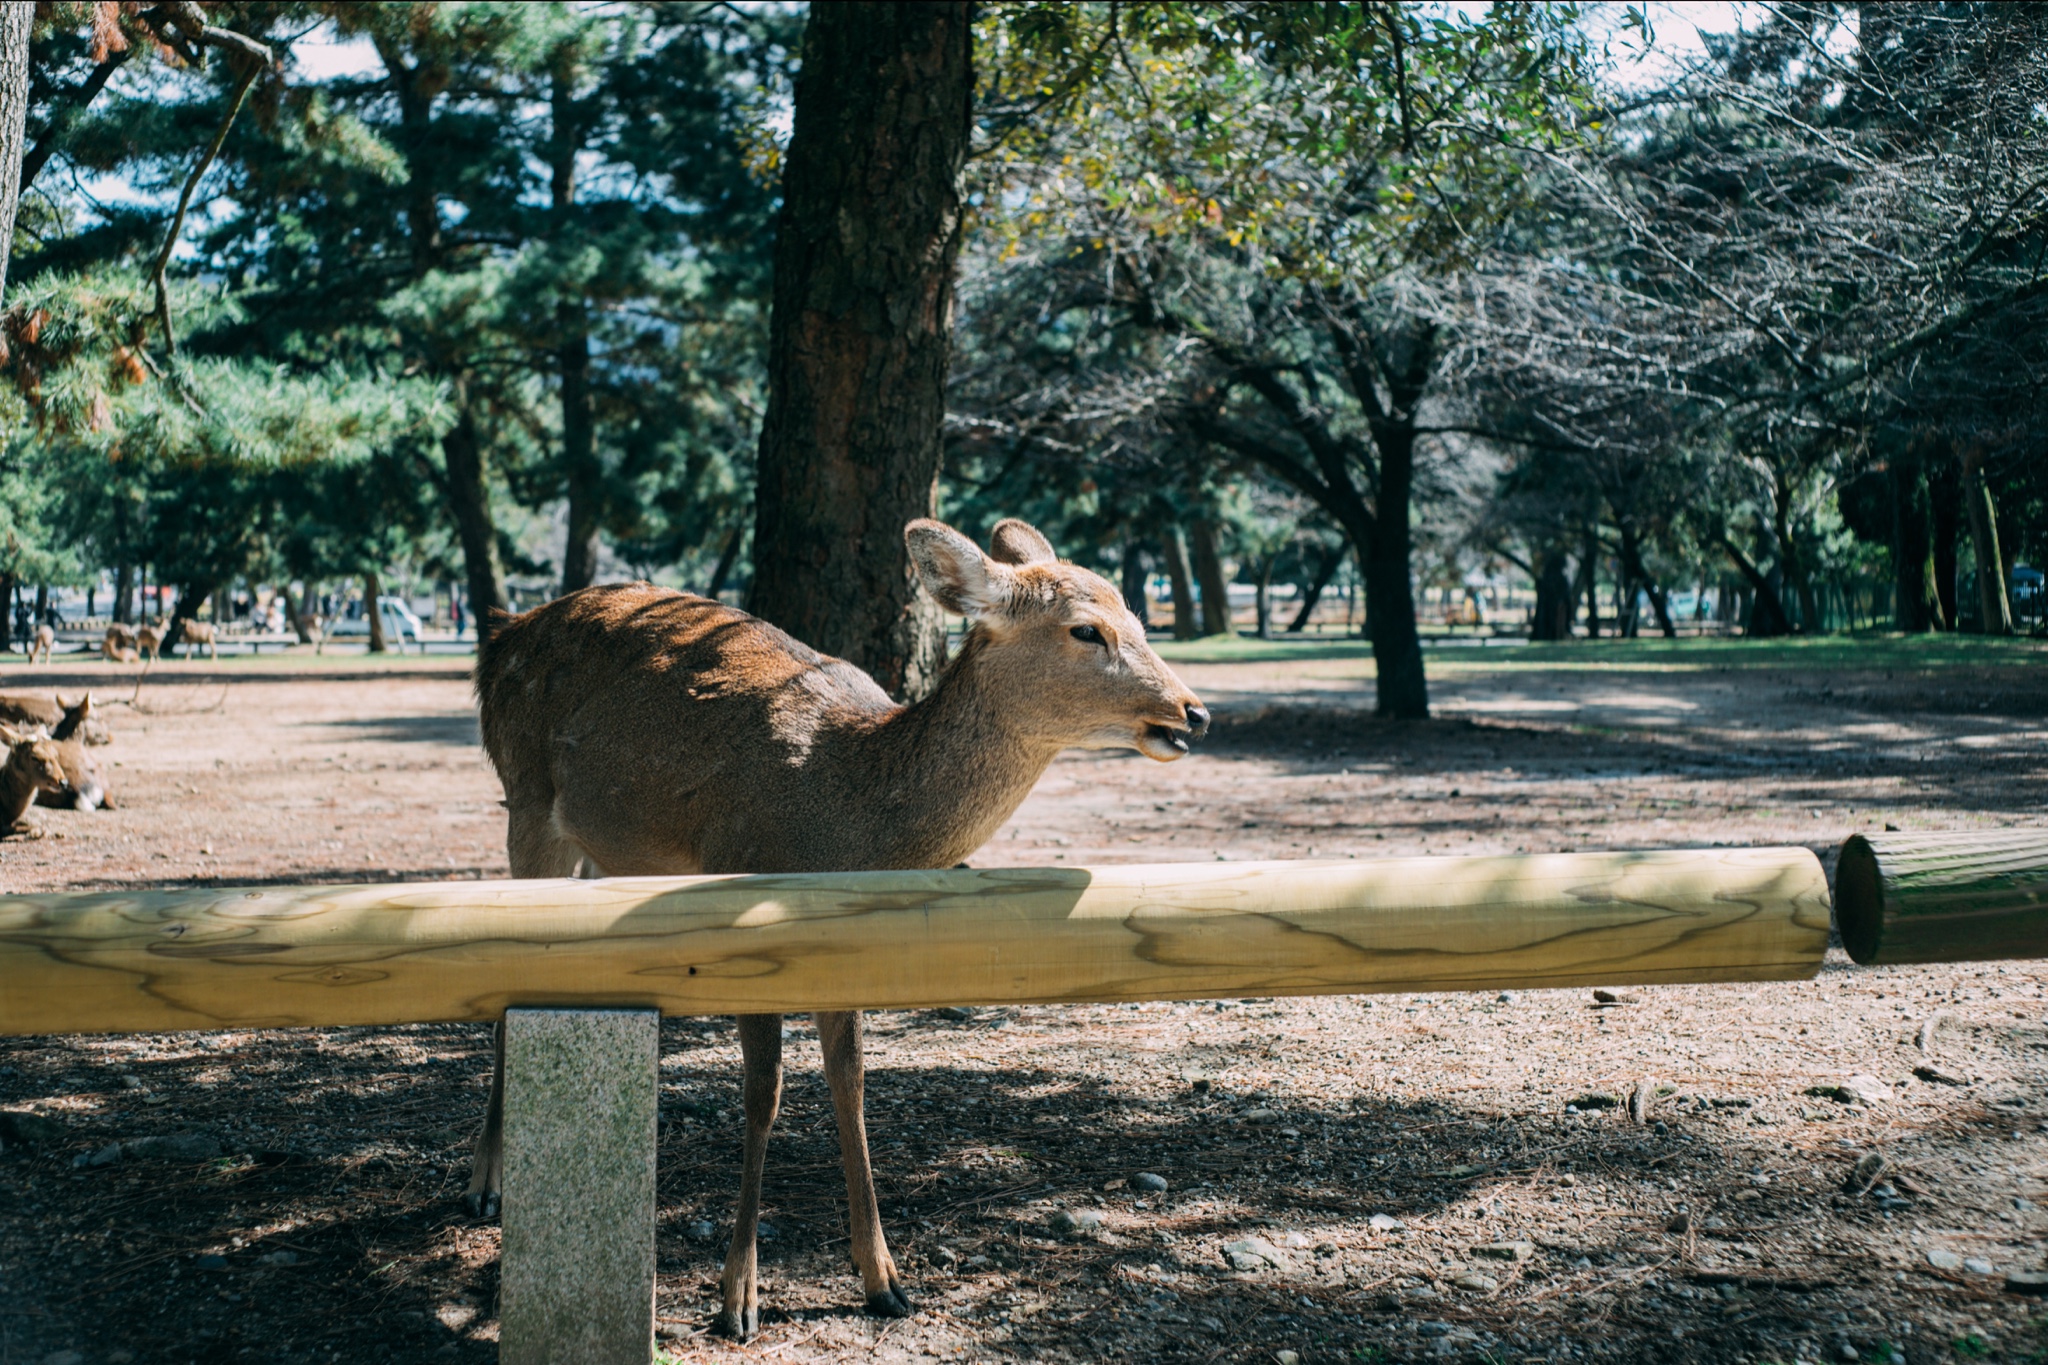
[
  {"x": 481, "y": 1203},
  {"x": 738, "y": 1323},
  {"x": 890, "y": 1303}
]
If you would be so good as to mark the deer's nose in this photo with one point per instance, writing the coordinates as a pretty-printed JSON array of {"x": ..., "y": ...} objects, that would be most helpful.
[{"x": 1198, "y": 720}]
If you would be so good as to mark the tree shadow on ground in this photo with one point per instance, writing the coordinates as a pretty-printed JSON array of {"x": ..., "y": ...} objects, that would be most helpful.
[{"x": 328, "y": 1226}]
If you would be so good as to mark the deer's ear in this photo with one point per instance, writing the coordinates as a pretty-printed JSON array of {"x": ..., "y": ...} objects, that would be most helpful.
[
  {"x": 953, "y": 569},
  {"x": 1019, "y": 542}
]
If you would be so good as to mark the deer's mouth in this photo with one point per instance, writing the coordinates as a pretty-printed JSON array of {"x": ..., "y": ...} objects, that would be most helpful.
[{"x": 1164, "y": 742}]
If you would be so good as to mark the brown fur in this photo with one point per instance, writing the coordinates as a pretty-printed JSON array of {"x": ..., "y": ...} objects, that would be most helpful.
[
  {"x": 642, "y": 731},
  {"x": 31, "y": 767},
  {"x": 70, "y": 728},
  {"x": 196, "y": 633},
  {"x": 45, "y": 641},
  {"x": 150, "y": 641},
  {"x": 118, "y": 645}
]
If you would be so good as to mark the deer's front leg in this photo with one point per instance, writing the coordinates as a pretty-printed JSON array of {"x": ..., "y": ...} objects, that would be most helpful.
[
  {"x": 761, "y": 1057},
  {"x": 846, "y": 1070},
  {"x": 487, "y": 1168}
]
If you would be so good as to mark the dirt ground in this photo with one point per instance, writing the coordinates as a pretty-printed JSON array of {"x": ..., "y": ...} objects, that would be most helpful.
[{"x": 1362, "y": 1179}]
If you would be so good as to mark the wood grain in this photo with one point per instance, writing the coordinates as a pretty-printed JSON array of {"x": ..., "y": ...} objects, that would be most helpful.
[
  {"x": 1944, "y": 897},
  {"x": 336, "y": 955}
]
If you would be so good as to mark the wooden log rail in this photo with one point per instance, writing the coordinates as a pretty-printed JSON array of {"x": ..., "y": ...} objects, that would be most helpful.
[
  {"x": 1943, "y": 897},
  {"x": 266, "y": 957}
]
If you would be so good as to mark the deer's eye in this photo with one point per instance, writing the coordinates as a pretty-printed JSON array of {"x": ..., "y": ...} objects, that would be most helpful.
[{"x": 1088, "y": 635}]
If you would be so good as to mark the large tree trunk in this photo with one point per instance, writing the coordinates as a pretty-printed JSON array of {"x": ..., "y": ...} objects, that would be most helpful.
[
  {"x": 15, "y": 22},
  {"x": 373, "y": 592},
  {"x": 1389, "y": 593},
  {"x": 1915, "y": 604},
  {"x": 1944, "y": 501},
  {"x": 1134, "y": 582},
  {"x": 1589, "y": 583},
  {"x": 580, "y": 470},
  {"x": 1185, "y": 627},
  {"x": 1768, "y": 617},
  {"x": 1553, "y": 619},
  {"x": 1312, "y": 593},
  {"x": 1264, "y": 612},
  {"x": 861, "y": 332},
  {"x": 1209, "y": 577},
  {"x": 124, "y": 594},
  {"x": 1632, "y": 559},
  {"x": 469, "y": 498},
  {"x": 1994, "y": 609}
]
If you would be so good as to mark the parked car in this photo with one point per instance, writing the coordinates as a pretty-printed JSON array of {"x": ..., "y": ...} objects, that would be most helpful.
[{"x": 399, "y": 623}]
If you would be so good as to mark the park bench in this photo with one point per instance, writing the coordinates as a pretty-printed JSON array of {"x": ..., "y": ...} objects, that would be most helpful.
[{"x": 580, "y": 972}]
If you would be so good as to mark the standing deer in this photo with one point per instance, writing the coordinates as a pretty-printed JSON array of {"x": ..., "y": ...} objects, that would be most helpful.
[
  {"x": 150, "y": 640},
  {"x": 640, "y": 731},
  {"x": 45, "y": 641},
  {"x": 193, "y": 634}
]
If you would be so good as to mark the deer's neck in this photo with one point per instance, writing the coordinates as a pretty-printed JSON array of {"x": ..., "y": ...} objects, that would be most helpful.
[
  {"x": 941, "y": 775},
  {"x": 17, "y": 793}
]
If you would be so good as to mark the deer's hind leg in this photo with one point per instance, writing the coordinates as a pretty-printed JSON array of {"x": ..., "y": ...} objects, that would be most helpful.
[
  {"x": 537, "y": 849},
  {"x": 739, "y": 1313},
  {"x": 839, "y": 1037}
]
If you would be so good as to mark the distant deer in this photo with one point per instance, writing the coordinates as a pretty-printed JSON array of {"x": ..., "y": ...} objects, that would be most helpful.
[
  {"x": 196, "y": 633},
  {"x": 150, "y": 641},
  {"x": 31, "y": 767},
  {"x": 118, "y": 645},
  {"x": 641, "y": 731},
  {"x": 44, "y": 642}
]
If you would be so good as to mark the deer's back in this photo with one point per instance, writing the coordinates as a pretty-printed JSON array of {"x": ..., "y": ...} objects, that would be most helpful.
[{"x": 665, "y": 732}]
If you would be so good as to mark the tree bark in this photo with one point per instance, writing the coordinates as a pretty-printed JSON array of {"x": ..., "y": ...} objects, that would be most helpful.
[
  {"x": 467, "y": 487},
  {"x": 1768, "y": 617},
  {"x": 727, "y": 557},
  {"x": 15, "y": 22},
  {"x": 1916, "y": 606},
  {"x": 1185, "y": 627},
  {"x": 1389, "y": 592},
  {"x": 1994, "y": 609},
  {"x": 372, "y": 592},
  {"x": 1944, "y": 501},
  {"x": 861, "y": 331},
  {"x": 1632, "y": 559},
  {"x": 1209, "y": 577},
  {"x": 1264, "y": 613},
  {"x": 583, "y": 477},
  {"x": 124, "y": 594},
  {"x": 1312, "y": 592},
  {"x": 1553, "y": 619},
  {"x": 1589, "y": 583},
  {"x": 1134, "y": 582},
  {"x": 469, "y": 498}
]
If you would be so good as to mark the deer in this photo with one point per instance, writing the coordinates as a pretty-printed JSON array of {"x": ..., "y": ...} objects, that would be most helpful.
[
  {"x": 118, "y": 645},
  {"x": 641, "y": 731},
  {"x": 196, "y": 633},
  {"x": 32, "y": 767},
  {"x": 150, "y": 641},
  {"x": 40, "y": 647}
]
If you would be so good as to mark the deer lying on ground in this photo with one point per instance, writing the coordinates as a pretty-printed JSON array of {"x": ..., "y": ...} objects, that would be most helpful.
[
  {"x": 31, "y": 768},
  {"x": 45, "y": 641},
  {"x": 640, "y": 731},
  {"x": 70, "y": 728},
  {"x": 118, "y": 645}
]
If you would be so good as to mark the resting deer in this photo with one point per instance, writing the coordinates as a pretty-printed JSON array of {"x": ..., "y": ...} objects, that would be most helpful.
[
  {"x": 118, "y": 645},
  {"x": 45, "y": 641},
  {"x": 641, "y": 731},
  {"x": 31, "y": 767}
]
